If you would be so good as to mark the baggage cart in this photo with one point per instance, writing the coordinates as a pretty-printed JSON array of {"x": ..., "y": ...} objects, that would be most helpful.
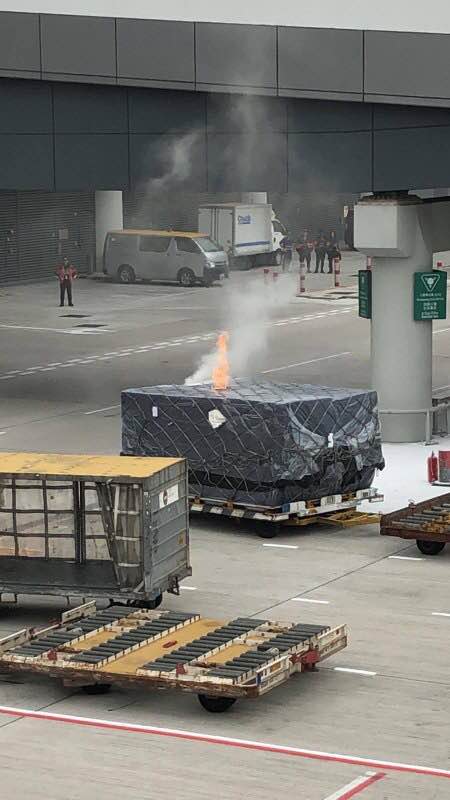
[
  {"x": 219, "y": 661},
  {"x": 93, "y": 526},
  {"x": 428, "y": 523}
]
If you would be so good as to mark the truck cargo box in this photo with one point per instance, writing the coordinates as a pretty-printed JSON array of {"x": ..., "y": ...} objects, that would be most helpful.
[{"x": 259, "y": 443}]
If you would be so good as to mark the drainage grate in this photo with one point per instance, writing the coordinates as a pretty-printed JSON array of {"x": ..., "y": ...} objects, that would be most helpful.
[{"x": 90, "y": 325}]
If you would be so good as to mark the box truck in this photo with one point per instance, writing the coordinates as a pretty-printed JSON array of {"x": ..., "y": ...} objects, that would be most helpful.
[{"x": 250, "y": 233}]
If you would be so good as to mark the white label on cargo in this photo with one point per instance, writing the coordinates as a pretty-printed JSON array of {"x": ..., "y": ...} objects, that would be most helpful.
[
  {"x": 168, "y": 496},
  {"x": 154, "y": 411},
  {"x": 216, "y": 418}
]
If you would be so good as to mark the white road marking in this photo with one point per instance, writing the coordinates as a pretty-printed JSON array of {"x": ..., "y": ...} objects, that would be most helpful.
[
  {"x": 351, "y": 671},
  {"x": 441, "y": 330},
  {"x": 310, "y": 600},
  {"x": 47, "y": 369},
  {"x": 2, "y": 433},
  {"x": 304, "y": 363},
  {"x": 440, "y": 614},
  {"x": 407, "y": 558},
  {"x": 356, "y": 787},
  {"x": 188, "y": 588},
  {"x": 99, "y": 410},
  {"x": 283, "y": 546}
]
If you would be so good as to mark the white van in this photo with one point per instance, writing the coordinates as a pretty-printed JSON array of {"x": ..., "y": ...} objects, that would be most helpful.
[{"x": 177, "y": 256}]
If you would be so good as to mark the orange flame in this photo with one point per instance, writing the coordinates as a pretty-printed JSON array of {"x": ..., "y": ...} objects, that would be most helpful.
[{"x": 221, "y": 372}]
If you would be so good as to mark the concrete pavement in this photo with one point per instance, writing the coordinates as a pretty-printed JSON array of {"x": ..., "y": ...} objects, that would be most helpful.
[{"x": 59, "y": 391}]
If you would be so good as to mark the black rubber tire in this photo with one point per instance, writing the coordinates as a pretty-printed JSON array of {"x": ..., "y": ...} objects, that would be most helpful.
[
  {"x": 126, "y": 274},
  {"x": 96, "y": 688},
  {"x": 430, "y": 548},
  {"x": 269, "y": 530},
  {"x": 186, "y": 277},
  {"x": 216, "y": 705},
  {"x": 151, "y": 604}
]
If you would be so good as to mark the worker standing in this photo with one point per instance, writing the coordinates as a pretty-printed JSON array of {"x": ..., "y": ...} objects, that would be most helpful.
[
  {"x": 66, "y": 275},
  {"x": 320, "y": 247},
  {"x": 304, "y": 250},
  {"x": 333, "y": 254}
]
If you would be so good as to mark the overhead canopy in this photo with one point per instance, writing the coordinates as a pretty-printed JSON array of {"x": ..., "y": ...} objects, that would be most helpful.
[{"x": 81, "y": 466}]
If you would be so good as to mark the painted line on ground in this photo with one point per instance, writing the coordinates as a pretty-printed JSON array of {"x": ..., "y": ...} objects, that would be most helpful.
[
  {"x": 310, "y": 600},
  {"x": 407, "y": 558},
  {"x": 304, "y": 363},
  {"x": 357, "y": 786},
  {"x": 244, "y": 744},
  {"x": 99, "y": 410},
  {"x": 283, "y": 546},
  {"x": 188, "y": 588},
  {"x": 441, "y": 330},
  {"x": 440, "y": 614},
  {"x": 367, "y": 672}
]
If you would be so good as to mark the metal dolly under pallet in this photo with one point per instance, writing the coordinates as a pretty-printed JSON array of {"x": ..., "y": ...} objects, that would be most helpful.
[
  {"x": 219, "y": 661},
  {"x": 428, "y": 523}
]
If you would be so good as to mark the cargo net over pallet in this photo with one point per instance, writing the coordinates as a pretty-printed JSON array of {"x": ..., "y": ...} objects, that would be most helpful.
[
  {"x": 219, "y": 661},
  {"x": 257, "y": 443}
]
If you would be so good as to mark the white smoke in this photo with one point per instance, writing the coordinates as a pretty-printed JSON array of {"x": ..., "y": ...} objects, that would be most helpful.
[{"x": 248, "y": 312}]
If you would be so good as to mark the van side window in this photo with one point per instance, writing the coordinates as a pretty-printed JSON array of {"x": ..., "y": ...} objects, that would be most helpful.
[
  {"x": 154, "y": 244},
  {"x": 186, "y": 245}
]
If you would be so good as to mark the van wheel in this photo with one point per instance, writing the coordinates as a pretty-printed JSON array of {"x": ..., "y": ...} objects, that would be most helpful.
[
  {"x": 186, "y": 277},
  {"x": 126, "y": 274}
]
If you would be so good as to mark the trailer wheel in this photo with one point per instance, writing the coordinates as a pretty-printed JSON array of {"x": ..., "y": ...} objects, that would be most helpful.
[
  {"x": 430, "y": 548},
  {"x": 96, "y": 688},
  {"x": 216, "y": 705},
  {"x": 269, "y": 530}
]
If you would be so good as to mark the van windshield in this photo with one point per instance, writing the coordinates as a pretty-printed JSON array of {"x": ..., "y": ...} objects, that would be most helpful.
[{"x": 208, "y": 245}]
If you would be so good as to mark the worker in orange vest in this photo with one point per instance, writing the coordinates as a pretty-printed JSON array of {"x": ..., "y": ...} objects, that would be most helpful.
[{"x": 66, "y": 275}]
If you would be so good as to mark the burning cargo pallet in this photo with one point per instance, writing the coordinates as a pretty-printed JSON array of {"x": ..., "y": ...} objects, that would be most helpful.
[
  {"x": 219, "y": 661},
  {"x": 263, "y": 448}
]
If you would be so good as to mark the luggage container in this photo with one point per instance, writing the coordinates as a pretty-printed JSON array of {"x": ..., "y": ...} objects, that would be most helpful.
[
  {"x": 93, "y": 526},
  {"x": 219, "y": 661}
]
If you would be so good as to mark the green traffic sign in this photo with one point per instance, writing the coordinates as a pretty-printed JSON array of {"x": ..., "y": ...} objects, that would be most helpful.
[
  {"x": 430, "y": 295},
  {"x": 365, "y": 293}
]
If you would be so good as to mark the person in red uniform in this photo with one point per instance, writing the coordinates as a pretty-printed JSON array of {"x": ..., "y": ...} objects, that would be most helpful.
[{"x": 66, "y": 275}]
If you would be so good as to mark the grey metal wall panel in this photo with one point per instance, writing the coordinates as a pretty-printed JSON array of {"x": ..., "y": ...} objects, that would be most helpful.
[
  {"x": 310, "y": 116},
  {"x": 163, "y": 162},
  {"x": 247, "y": 162},
  {"x": 236, "y": 55},
  {"x": 19, "y": 42},
  {"x": 236, "y": 113},
  {"x": 411, "y": 64},
  {"x": 320, "y": 59},
  {"x": 26, "y": 161},
  {"x": 164, "y": 111},
  {"x": 90, "y": 109},
  {"x": 156, "y": 50},
  {"x": 25, "y": 107},
  {"x": 91, "y": 161},
  {"x": 404, "y": 159},
  {"x": 78, "y": 45},
  {"x": 330, "y": 162},
  {"x": 389, "y": 116}
]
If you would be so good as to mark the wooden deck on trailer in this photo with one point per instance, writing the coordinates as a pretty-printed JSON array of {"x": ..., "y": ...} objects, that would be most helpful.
[{"x": 219, "y": 661}]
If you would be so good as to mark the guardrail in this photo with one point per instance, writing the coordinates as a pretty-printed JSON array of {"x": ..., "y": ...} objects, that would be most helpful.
[{"x": 427, "y": 412}]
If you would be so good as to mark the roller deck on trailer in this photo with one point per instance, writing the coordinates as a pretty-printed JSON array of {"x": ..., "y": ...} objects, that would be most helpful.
[
  {"x": 428, "y": 523},
  {"x": 219, "y": 661}
]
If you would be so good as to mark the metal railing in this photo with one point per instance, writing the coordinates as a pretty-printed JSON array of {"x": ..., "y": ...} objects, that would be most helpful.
[{"x": 427, "y": 412}]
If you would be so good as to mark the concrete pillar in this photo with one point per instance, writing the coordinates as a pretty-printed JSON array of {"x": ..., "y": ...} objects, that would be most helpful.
[
  {"x": 254, "y": 197},
  {"x": 108, "y": 217},
  {"x": 395, "y": 233}
]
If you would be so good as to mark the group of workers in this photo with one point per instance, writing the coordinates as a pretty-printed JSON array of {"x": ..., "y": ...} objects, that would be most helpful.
[{"x": 323, "y": 247}]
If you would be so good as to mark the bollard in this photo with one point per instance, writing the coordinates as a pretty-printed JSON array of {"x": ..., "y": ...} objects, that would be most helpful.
[
  {"x": 369, "y": 263},
  {"x": 439, "y": 264},
  {"x": 301, "y": 279},
  {"x": 266, "y": 275},
  {"x": 275, "y": 277},
  {"x": 337, "y": 272}
]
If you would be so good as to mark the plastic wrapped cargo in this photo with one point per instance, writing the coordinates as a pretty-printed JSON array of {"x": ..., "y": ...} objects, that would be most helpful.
[{"x": 259, "y": 443}]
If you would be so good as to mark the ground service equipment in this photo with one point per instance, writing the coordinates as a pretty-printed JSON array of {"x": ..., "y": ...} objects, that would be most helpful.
[
  {"x": 428, "y": 523},
  {"x": 93, "y": 526},
  {"x": 219, "y": 661}
]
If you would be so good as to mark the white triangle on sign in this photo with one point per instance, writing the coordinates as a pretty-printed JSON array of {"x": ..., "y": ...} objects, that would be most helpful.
[{"x": 429, "y": 281}]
